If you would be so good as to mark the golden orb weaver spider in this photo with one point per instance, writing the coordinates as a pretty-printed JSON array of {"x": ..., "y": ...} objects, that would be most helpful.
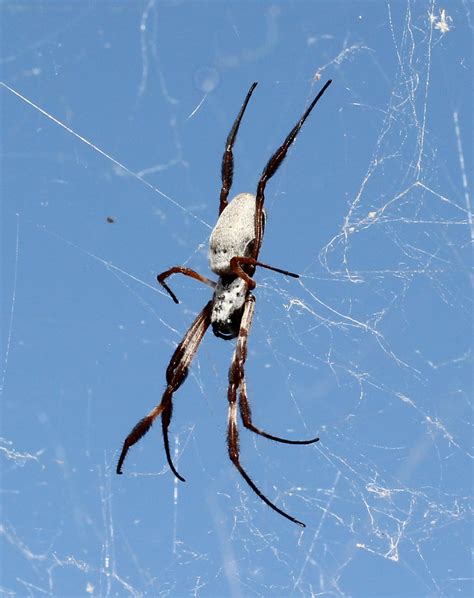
[{"x": 233, "y": 255}]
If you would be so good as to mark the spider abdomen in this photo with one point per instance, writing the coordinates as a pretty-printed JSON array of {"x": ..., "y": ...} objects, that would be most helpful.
[
  {"x": 227, "y": 307},
  {"x": 233, "y": 234}
]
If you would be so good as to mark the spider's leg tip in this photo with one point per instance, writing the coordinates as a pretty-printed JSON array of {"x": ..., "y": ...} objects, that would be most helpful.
[
  {"x": 294, "y": 520},
  {"x": 177, "y": 475}
]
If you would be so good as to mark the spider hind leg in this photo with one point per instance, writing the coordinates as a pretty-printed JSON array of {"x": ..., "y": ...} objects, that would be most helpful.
[
  {"x": 175, "y": 376},
  {"x": 233, "y": 448},
  {"x": 246, "y": 416},
  {"x": 138, "y": 431},
  {"x": 237, "y": 383}
]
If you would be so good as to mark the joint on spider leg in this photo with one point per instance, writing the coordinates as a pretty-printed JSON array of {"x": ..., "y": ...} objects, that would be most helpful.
[
  {"x": 167, "y": 289},
  {"x": 235, "y": 265}
]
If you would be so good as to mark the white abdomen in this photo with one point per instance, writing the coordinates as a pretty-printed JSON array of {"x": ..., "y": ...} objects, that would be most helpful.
[{"x": 233, "y": 234}]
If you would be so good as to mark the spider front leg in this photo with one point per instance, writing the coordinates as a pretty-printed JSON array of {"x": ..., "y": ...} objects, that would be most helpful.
[
  {"x": 236, "y": 382},
  {"x": 187, "y": 272},
  {"x": 235, "y": 266},
  {"x": 227, "y": 167},
  {"x": 273, "y": 165},
  {"x": 176, "y": 373}
]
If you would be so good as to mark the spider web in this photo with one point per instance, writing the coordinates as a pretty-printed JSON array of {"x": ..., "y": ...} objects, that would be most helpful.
[{"x": 114, "y": 121}]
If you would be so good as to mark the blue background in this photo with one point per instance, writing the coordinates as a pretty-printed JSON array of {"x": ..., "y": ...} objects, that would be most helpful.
[{"x": 371, "y": 349}]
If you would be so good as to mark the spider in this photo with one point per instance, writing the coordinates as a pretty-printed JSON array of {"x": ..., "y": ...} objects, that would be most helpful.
[{"x": 233, "y": 255}]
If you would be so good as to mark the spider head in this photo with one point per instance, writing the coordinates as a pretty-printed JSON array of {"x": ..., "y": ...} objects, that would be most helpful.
[{"x": 227, "y": 307}]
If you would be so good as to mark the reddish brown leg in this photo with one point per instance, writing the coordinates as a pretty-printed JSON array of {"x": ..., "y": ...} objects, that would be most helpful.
[
  {"x": 236, "y": 377},
  {"x": 187, "y": 272},
  {"x": 235, "y": 265},
  {"x": 244, "y": 406},
  {"x": 273, "y": 165},
  {"x": 246, "y": 415},
  {"x": 175, "y": 376},
  {"x": 227, "y": 167}
]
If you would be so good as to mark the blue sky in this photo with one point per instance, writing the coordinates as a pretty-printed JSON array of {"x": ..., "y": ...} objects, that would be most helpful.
[{"x": 120, "y": 111}]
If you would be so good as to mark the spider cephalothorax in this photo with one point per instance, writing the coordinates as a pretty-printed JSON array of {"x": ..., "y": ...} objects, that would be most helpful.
[{"x": 233, "y": 255}]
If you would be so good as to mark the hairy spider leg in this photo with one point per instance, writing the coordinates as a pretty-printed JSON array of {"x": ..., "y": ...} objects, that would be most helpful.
[
  {"x": 227, "y": 167},
  {"x": 176, "y": 373},
  {"x": 241, "y": 357},
  {"x": 236, "y": 377},
  {"x": 187, "y": 272},
  {"x": 236, "y": 269},
  {"x": 273, "y": 165}
]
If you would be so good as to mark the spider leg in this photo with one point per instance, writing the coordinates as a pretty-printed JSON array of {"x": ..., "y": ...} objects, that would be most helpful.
[
  {"x": 227, "y": 167},
  {"x": 246, "y": 415},
  {"x": 176, "y": 373},
  {"x": 272, "y": 166},
  {"x": 244, "y": 406},
  {"x": 236, "y": 375},
  {"x": 187, "y": 272},
  {"x": 235, "y": 265}
]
